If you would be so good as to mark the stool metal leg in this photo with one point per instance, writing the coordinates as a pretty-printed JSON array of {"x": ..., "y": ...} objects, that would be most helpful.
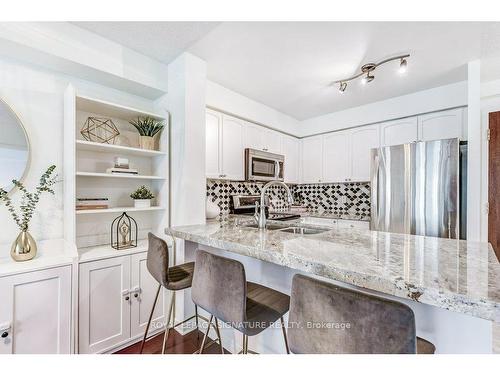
[
  {"x": 150, "y": 318},
  {"x": 167, "y": 324},
  {"x": 246, "y": 345},
  {"x": 218, "y": 335},
  {"x": 206, "y": 334},
  {"x": 196, "y": 319},
  {"x": 284, "y": 335}
]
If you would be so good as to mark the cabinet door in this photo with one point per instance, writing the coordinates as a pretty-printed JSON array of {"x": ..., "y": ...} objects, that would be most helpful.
[
  {"x": 143, "y": 291},
  {"x": 35, "y": 311},
  {"x": 213, "y": 123},
  {"x": 104, "y": 308},
  {"x": 291, "y": 150},
  {"x": 336, "y": 157},
  {"x": 441, "y": 125},
  {"x": 272, "y": 141},
  {"x": 312, "y": 160},
  {"x": 233, "y": 149},
  {"x": 254, "y": 136},
  {"x": 399, "y": 132},
  {"x": 362, "y": 140}
]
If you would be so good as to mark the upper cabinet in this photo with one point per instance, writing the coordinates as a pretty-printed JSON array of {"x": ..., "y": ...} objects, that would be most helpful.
[
  {"x": 312, "y": 159},
  {"x": 398, "y": 132},
  {"x": 291, "y": 150},
  {"x": 362, "y": 140},
  {"x": 224, "y": 146},
  {"x": 442, "y": 125},
  {"x": 261, "y": 138},
  {"x": 335, "y": 153}
]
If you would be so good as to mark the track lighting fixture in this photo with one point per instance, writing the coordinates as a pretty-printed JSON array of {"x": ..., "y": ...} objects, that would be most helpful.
[{"x": 367, "y": 70}]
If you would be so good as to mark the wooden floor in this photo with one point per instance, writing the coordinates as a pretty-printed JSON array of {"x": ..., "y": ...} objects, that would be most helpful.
[{"x": 177, "y": 344}]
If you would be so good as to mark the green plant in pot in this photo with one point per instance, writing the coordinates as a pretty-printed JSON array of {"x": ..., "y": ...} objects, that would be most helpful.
[
  {"x": 24, "y": 247},
  {"x": 142, "y": 197},
  {"x": 147, "y": 127}
]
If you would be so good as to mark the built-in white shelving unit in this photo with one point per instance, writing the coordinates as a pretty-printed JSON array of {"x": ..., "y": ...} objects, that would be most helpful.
[{"x": 86, "y": 177}]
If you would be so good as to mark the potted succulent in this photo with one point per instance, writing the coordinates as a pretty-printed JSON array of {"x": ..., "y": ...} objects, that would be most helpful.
[
  {"x": 142, "y": 197},
  {"x": 24, "y": 247},
  {"x": 147, "y": 127}
]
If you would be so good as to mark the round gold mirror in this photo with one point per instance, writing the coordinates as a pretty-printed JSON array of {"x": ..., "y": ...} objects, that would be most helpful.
[{"x": 14, "y": 148}]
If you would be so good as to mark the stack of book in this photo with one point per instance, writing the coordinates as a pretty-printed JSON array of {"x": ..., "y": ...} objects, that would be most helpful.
[
  {"x": 91, "y": 203},
  {"x": 121, "y": 167}
]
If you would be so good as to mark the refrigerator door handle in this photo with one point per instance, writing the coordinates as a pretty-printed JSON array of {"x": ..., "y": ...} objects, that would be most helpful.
[{"x": 375, "y": 190}]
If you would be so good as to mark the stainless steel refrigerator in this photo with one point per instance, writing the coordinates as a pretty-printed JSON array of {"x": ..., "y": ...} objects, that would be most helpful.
[{"x": 419, "y": 188}]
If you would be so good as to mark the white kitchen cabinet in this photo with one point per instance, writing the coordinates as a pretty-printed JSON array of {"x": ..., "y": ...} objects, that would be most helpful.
[
  {"x": 312, "y": 159},
  {"x": 233, "y": 148},
  {"x": 442, "y": 125},
  {"x": 261, "y": 138},
  {"x": 104, "y": 307},
  {"x": 213, "y": 124},
  {"x": 143, "y": 292},
  {"x": 224, "y": 146},
  {"x": 116, "y": 296},
  {"x": 35, "y": 312},
  {"x": 291, "y": 151},
  {"x": 335, "y": 157},
  {"x": 398, "y": 132},
  {"x": 361, "y": 141}
]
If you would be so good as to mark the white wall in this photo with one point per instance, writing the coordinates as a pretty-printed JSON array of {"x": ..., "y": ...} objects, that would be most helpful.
[
  {"x": 435, "y": 99},
  {"x": 221, "y": 98},
  {"x": 36, "y": 96}
]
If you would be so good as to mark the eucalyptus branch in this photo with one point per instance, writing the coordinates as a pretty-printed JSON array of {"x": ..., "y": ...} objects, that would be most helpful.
[{"x": 29, "y": 200}]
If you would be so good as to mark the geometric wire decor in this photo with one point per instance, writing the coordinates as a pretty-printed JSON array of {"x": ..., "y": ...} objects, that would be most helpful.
[{"x": 101, "y": 130}]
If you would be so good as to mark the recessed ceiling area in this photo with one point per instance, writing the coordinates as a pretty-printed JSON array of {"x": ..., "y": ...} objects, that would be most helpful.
[{"x": 290, "y": 66}]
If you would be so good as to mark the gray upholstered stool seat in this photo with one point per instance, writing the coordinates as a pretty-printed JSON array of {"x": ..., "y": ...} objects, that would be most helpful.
[
  {"x": 181, "y": 276},
  {"x": 327, "y": 318},
  {"x": 425, "y": 347},
  {"x": 263, "y": 306},
  {"x": 220, "y": 288}
]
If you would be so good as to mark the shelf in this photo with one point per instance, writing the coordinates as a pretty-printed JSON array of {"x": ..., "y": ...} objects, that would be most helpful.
[
  {"x": 109, "y": 175},
  {"x": 117, "y": 210},
  {"x": 116, "y": 149},
  {"x": 88, "y": 254},
  {"x": 109, "y": 109}
]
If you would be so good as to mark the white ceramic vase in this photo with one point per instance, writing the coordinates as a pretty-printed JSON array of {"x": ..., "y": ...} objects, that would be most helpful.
[
  {"x": 211, "y": 209},
  {"x": 142, "y": 203}
]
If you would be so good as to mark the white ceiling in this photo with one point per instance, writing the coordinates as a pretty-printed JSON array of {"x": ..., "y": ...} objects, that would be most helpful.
[
  {"x": 289, "y": 65},
  {"x": 163, "y": 41}
]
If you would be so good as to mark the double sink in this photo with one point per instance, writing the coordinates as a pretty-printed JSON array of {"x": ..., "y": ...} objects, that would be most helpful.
[{"x": 291, "y": 229}]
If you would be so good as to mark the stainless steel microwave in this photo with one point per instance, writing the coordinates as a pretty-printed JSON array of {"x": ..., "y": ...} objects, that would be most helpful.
[{"x": 263, "y": 166}]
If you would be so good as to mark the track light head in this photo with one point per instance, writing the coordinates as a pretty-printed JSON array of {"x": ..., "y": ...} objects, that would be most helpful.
[
  {"x": 403, "y": 66},
  {"x": 367, "y": 79},
  {"x": 342, "y": 87}
]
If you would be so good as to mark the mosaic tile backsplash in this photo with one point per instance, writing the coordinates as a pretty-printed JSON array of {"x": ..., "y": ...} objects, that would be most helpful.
[{"x": 345, "y": 198}]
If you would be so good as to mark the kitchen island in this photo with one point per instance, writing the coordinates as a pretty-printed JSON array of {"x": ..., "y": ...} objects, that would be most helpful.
[{"x": 453, "y": 286}]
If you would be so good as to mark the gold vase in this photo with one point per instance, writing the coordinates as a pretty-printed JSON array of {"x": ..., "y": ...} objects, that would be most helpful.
[
  {"x": 24, "y": 247},
  {"x": 146, "y": 142}
]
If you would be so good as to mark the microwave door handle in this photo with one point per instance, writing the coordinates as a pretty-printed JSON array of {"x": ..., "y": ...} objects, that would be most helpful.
[{"x": 278, "y": 169}]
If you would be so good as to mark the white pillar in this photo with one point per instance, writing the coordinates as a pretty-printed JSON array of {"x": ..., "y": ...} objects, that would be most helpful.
[
  {"x": 474, "y": 151},
  {"x": 186, "y": 103}
]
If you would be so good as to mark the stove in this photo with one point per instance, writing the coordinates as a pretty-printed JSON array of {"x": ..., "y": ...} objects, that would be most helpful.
[{"x": 245, "y": 205}]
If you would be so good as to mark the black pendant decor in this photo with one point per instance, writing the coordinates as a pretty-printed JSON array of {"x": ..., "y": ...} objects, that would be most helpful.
[{"x": 123, "y": 232}]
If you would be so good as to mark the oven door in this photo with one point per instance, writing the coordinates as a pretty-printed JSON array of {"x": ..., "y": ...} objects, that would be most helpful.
[{"x": 263, "y": 169}]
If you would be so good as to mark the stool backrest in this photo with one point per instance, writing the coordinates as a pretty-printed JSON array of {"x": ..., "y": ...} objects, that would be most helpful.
[
  {"x": 219, "y": 287},
  {"x": 326, "y": 318},
  {"x": 157, "y": 260}
]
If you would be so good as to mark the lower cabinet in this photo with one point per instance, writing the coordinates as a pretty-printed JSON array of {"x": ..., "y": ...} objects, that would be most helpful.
[
  {"x": 35, "y": 312},
  {"x": 115, "y": 298}
]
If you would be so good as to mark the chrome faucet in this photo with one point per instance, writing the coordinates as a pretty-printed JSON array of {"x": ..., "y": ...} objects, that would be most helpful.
[{"x": 260, "y": 216}]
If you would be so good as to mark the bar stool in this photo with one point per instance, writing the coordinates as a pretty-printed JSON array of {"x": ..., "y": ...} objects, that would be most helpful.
[
  {"x": 220, "y": 288},
  {"x": 172, "y": 278},
  {"x": 319, "y": 312}
]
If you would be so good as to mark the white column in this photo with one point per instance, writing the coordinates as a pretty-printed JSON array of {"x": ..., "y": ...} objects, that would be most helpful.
[
  {"x": 186, "y": 103},
  {"x": 474, "y": 151}
]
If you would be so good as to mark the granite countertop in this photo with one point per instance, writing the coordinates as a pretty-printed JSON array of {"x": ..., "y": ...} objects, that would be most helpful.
[{"x": 460, "y": 276}]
